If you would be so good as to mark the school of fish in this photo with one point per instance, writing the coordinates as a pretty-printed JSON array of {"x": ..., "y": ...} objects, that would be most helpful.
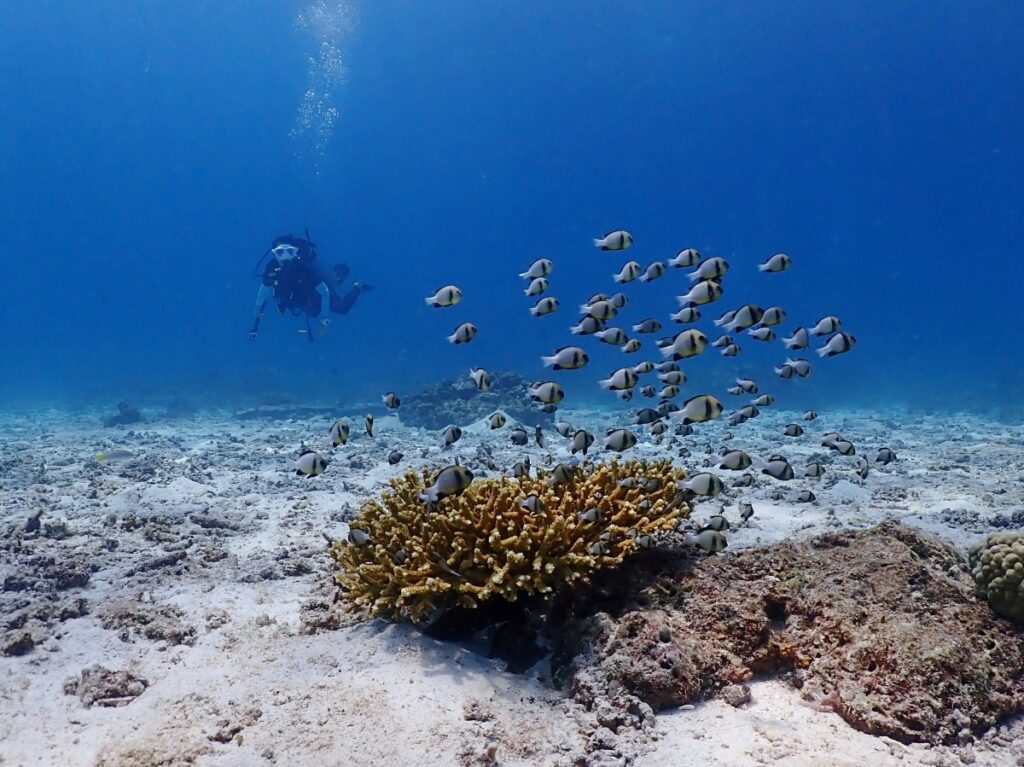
[{"x": 705, "y": 284}]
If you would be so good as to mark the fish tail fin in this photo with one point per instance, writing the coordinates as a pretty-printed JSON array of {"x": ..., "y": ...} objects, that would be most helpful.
[
  {"x": 599, "y": 243},
  {"x": 762, "y": 267},
  {"x": 605, "y": 383},
  {"x": 693, "y": 276},
  {"x": 548, "y": 361},
  {"x": 822, "y": 352},
  {"x": 429, "y": 301}
]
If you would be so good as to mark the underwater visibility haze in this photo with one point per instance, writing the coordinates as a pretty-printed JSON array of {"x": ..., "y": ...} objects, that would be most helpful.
[
  {"x": 481, "y": 382},
  {"x": 151, "y": 154}
]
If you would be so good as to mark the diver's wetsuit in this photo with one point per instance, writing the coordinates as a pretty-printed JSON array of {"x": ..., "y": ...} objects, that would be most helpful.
[{"x": 302, "y": 285}]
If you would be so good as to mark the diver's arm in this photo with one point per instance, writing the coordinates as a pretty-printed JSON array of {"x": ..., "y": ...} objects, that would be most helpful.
[{"x": 261, "y": 303}]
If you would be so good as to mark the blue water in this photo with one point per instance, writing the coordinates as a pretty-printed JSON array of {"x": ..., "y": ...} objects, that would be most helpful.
[{"x": 149, "y": 154}]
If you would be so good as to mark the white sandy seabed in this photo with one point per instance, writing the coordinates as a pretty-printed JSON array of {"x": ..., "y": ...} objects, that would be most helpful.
[{"x": 208, "y": 537}]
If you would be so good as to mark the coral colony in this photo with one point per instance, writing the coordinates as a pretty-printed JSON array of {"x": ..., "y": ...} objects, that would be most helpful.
[{"x": 405, "y": 559}]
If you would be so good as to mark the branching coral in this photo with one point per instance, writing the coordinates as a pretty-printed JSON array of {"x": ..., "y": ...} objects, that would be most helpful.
[
  {"x": 484, "y": 544},
  {"x": 997, "y": 564}
]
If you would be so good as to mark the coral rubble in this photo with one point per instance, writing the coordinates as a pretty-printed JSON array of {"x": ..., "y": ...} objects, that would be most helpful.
[
  {"x": 881, "y": 626},
  {"x": 99, "y": 686},
  {"x": 485, "y": 544}
]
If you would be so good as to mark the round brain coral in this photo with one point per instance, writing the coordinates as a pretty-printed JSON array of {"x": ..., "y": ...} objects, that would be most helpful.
[
  {"x": 997, "y": 563},
  {"x": 484, "y": 544}
]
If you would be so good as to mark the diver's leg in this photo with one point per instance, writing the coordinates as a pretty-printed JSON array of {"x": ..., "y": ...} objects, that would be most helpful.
[
  {"x": 340, "y": 272},
  {"x": 326, "y": 300},
  {"x": 342, "y": 304},
  {"x": 331, "y": 276},
  {"x": 261, "y": 304}
]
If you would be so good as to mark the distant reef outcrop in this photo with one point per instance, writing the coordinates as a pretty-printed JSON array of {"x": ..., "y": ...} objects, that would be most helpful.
[
  {"x": 456, "y": 400},
  {"x": 126, "y": 414}
]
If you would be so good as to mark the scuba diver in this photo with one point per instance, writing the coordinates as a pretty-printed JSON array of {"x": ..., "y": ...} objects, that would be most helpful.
[{"x": 298, "y": 282}]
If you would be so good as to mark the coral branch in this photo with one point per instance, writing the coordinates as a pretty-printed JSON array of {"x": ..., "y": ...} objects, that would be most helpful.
[{"x": 483, "y": 544}]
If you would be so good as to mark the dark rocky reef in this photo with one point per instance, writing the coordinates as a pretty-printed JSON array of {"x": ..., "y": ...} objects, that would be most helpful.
[
  {"x": 881, "y": 626},
  {"x": 126, "y": 414},
  {"x": 456, "y": 400}
]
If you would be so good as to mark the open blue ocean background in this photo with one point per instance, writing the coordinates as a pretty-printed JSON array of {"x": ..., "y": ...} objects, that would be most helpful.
[{"x": 151, "y": 151}]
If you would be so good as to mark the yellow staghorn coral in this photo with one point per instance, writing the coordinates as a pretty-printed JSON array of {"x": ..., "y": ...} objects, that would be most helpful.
[{"x": 483, "y": 544}]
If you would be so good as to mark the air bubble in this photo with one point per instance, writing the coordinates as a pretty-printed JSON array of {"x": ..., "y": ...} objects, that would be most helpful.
[{"x": 330, "y": 23}]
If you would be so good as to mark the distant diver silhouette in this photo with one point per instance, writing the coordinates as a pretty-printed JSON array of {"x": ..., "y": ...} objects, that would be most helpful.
[{"x": 299, "y": 283}]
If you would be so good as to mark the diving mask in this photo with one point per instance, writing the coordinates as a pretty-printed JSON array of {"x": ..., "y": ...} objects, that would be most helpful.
[{"x": 284, "y": 252}]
